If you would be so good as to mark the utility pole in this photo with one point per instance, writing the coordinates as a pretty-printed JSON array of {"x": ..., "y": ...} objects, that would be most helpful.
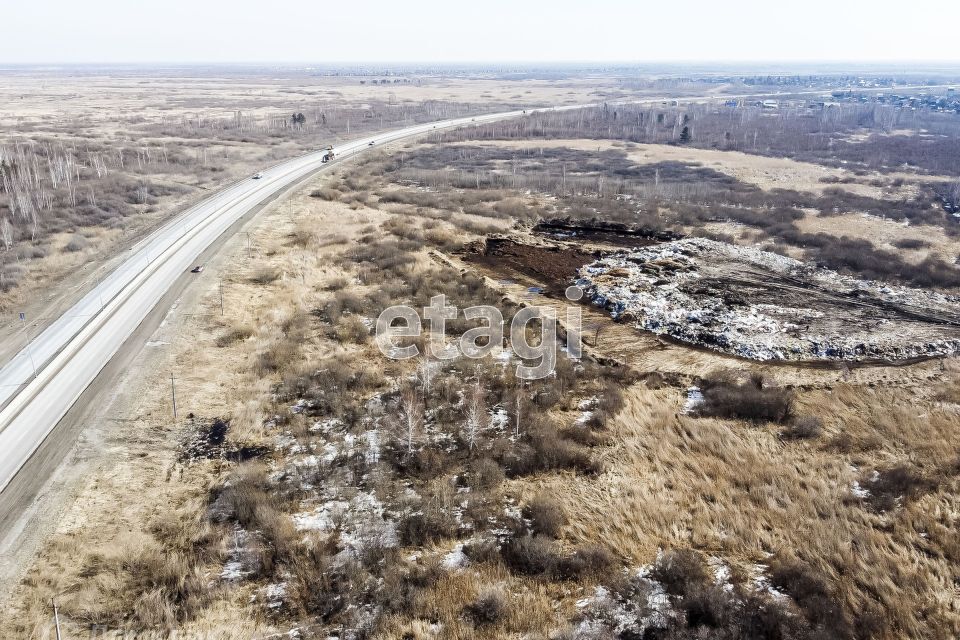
[
  {"x": 56, "y": 617},
  {"x": 173, "y": 395},
  {"x": 99, "y": 292},
  {"x": 33, "y": 365}
]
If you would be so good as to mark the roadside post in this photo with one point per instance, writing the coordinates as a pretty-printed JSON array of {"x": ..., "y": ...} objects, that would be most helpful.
[
  {"x": 173, "y": 394},
  {"x": 23, "y": 321}
]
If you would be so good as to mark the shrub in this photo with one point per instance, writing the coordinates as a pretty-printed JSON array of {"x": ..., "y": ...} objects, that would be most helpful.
[
  {"x": 544, "y": 448},
  {"x": 166, "y": 586},
  {"x": 303, "y": 236},
  {"x": 897, "y": 482},
  {"x": 10, "y": 275},
  {"x": 608, "y": 405},
  {"x": 249, "y": 501},
  {"x": 404, "y": 227},
  {"x": 76, "y": 243},
  {"x": 546, "y": 515},
  {"x": 401, "y": 586},
  {"x": 265, "y": 275},
  {"x": 321, "y": 585},
  {"x": 423, "y": 464},
  {"x": 751, "y": 400},
  {"x": 589, "y": 561},
  {"x": 421, "y": 529},
  {"x": 352, "y": 329},
  {"x": 275, "y": 358},
  {"x": 482, "y": 551},
  {"x": 812, "y": 593},
  {"x": 236, "y": 334},
  {"x": 327, "y": 193},
  {"x": 804, "y": 427},
  {"x": 911, "y": 243},
  {"x": 485, "y": 474},
  {"x": 530, "y": 555},
  {"x": 489, "y": 608},
  {"x": 707, "y": 606},
  {"x": 680, "y": 571}
]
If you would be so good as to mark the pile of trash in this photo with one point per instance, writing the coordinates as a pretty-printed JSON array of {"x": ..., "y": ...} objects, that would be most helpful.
[{"x": 764, "y": 306}]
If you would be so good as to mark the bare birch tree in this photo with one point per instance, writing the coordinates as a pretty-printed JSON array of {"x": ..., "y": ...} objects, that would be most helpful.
[
  {"x": 477, "y": 420},
  {"x": 518, "y": 407},
  {"x": 6, "y": 234},
  {"x": 412, "y": 408},
  {"x": 425, "y": 374}
]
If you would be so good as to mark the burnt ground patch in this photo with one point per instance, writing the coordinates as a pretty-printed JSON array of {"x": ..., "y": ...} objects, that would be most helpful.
[
  {"x": 207, "y": 440},
  {"x": 553, "y": 265},
  {"x": 604, "y": 232}
]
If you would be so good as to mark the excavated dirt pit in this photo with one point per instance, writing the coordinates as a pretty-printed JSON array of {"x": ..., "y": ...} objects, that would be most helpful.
[
  {"x": 556, "y": 250},
  {"x": 554, "y": 266}
]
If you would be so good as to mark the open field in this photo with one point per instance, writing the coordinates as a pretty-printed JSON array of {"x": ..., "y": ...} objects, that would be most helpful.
[
  {"x": 602, "y": 501},
  {"x": 90, "y": 162},
  {"x": 309, "y": 486}
]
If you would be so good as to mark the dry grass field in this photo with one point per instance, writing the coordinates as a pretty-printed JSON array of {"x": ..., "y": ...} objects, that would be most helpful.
[
  {"x": 311, "y": 487},
  {"x": 344, "y": 493},
  {"x": 92, "y": 159}
]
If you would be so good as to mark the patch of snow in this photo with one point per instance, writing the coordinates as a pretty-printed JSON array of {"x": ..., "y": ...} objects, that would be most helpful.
[
  {"x": 456, "y": 559},
  {"x": 859, "y": 491},
  {"x": 499, "y": 418},
  {"x": 606, "y": 616},
  {"x": 232, "y": 571},
  {"x": 761, "y": 582},
  {"x": 330, "y": 452},
  {"x": 328, "y": 425},
  {"x": 513, "y": 511},
  {"x": 322, "y": 518},
  {"x": 299, "y": 407},
  {"x": 694, "y": 399},
  {"x": 360, "y": 522},
  {"x": 275, "y": 593},
  {"x": 721, "y": 573},
  {"x": 372, "y": 454}
]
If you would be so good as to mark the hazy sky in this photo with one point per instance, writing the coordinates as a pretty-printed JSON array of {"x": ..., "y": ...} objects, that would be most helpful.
[{"x": 118, "y": 31}]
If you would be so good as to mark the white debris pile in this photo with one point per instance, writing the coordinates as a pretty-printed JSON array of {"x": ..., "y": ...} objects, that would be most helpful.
[{"x": 764, "y": 306}]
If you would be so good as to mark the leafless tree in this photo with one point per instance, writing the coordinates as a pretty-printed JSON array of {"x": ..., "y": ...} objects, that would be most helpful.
[
  {"x": 412, "y": 408},
  {"x": 518, "y": 405},
  {"x": 425, "y": 374},
  {"x": 6, "y": 234},
  {"x": 477, "y": 420},
  {"x": 955, "y": 194}
]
